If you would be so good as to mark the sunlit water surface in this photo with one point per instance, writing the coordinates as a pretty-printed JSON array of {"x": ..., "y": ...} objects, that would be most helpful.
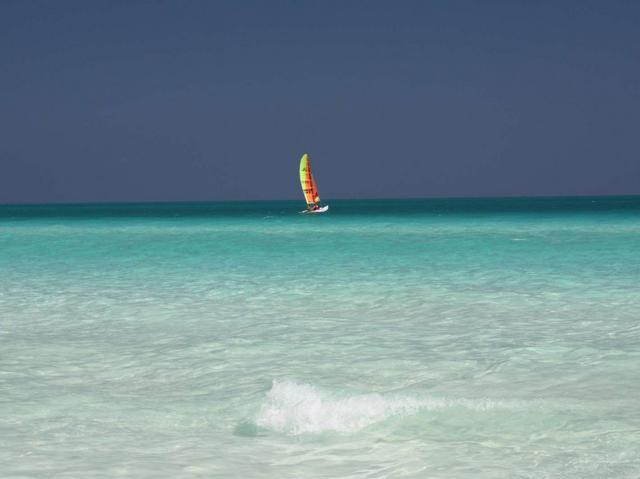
[{"x": 416, "y": 338}]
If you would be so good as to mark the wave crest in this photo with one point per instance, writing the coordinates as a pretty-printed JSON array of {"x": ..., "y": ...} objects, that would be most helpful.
[{"x": 295, "y": 408}]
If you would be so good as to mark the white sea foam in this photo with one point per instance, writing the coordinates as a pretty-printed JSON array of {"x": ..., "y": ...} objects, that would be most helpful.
[{"x": 295, "y": 408}]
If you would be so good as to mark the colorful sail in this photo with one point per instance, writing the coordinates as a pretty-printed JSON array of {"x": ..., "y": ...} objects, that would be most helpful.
[{"x": 309, "y": 187}]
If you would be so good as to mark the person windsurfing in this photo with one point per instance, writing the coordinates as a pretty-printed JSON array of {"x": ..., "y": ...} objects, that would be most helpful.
[{"x": 309, "y": 188}]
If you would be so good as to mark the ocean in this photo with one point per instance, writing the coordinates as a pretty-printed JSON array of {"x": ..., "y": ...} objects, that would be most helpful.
[{"x": 435, "y": 338}]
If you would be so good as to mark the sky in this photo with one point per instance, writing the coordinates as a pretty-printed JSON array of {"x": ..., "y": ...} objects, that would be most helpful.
[{"x": 105, "y": 101}]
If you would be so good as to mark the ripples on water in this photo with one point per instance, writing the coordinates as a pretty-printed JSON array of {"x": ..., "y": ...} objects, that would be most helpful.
[{"x": 495, "y": 338}]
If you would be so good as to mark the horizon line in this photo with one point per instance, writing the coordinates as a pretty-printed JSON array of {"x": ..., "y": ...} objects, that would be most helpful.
[{"x": 408, "y": 198}]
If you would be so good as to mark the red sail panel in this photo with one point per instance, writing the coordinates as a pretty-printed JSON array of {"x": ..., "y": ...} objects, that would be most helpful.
[{"x": 307, "y": 182}]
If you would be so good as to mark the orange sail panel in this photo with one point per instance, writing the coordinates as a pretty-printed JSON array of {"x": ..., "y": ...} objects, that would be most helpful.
[{"x": 309, "y": 187}]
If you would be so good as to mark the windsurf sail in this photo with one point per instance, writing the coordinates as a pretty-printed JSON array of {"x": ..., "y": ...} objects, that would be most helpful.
[{"x": 309, "y": 187}]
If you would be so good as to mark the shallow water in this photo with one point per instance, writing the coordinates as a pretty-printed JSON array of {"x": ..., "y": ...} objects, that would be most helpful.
[{"x": 415, "y": 338}]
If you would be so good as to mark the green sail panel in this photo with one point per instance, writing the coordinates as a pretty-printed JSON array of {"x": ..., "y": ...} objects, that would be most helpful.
[{"x": 309, "y": 187}]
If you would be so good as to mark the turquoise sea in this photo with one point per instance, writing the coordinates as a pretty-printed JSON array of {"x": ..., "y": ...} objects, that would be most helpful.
[{"x": 461, "y": 338}]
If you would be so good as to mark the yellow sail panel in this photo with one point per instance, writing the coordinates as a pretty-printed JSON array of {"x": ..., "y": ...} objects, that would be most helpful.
[{"x": 309, "y": 187}]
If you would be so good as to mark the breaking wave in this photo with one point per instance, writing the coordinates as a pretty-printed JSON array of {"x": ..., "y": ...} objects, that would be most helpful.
[{"x": 295, "y": 408}]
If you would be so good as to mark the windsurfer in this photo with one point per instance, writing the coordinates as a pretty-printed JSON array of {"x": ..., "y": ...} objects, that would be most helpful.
[{"x": 309, "y": 188}]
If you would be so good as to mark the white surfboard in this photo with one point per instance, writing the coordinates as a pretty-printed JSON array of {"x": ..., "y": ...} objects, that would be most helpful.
[{"x": 319, "y": 210}]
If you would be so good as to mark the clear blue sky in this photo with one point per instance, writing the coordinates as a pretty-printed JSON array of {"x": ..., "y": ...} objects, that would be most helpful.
[{"x": 206, "y": 100}]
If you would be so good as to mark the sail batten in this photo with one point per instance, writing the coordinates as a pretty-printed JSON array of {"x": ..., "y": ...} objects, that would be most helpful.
[{"x": 309, "y": 187}]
